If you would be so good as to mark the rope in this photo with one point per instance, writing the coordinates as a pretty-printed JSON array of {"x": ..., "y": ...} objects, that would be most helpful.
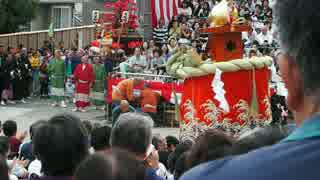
[{"x": 185, "y": 66}]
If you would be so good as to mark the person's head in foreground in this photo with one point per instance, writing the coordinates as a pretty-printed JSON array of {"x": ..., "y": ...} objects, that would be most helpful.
[
  {"x": 100, "y": 139},
  {"x": 297, "y": 156},
  {"x": 172, "y": 143},
  {"x": 132, "y": 132},
  {"x": 258, "y": 138},
  {"x": 61, "y": 144},
  {"x": 9, "y": 128},
  {"x": 210, "y": 145},
  {"x": 120, "y": 165}
]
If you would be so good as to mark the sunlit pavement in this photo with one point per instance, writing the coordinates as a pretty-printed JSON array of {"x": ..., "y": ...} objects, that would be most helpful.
[{"x": 40, "y": 109}]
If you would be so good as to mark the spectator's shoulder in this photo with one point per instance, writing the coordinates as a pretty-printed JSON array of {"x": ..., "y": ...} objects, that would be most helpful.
[{"x": 205, "y": 171}]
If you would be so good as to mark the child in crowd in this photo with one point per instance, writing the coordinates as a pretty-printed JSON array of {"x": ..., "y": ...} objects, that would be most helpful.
[{"x": 15, "y": 139}]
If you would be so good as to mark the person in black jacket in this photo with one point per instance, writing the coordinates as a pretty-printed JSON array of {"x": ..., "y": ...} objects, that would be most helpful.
[
  {"x": 19, "y": 78},
  {"x": 2, "y": 61},
  {"x": 26, "y": 73},
  {"x": 7, "y": 77}
]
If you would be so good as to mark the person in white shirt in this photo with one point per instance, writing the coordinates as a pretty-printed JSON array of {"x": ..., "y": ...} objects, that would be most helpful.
[
  {"x": 138, "y": 62},
  {"x": 265, "y": 37},
  {"x": 185, "y": 10}
]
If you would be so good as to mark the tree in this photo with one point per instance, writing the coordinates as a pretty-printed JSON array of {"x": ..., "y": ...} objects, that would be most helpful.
[{"x": 15, "y": 13}]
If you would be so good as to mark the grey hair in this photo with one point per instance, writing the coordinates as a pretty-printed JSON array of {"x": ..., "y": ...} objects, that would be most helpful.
[
  {"x": 132, "y": 132},
  {"x": 299, "y": 27}
]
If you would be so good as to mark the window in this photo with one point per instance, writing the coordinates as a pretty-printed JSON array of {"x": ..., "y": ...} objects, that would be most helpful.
[{"x": 61, "y": 16}]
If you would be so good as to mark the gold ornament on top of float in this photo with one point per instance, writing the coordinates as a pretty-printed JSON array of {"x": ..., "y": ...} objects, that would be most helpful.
[{"x": 224, "y": 13}]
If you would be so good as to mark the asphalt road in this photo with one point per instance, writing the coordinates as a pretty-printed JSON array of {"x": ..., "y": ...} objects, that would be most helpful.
[{"x": 40, "y": 109}]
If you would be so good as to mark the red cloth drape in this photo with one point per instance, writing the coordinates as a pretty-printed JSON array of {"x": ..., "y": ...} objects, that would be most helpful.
[{"x": 238, "y": 86}]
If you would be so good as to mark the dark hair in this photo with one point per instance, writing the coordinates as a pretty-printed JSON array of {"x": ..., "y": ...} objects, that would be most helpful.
[
  {"x": 132, "y": 132},
  {"x": 9, "y": 128},
  {"x": 174, "y": 156},
  {"x": 299, "y": 26},
  {"x": 121, "y": 165},
  {"x": 159, "y": 51},
  {"x": 34, "y": 126},
  {"x": 100, "y": 138},
  {"x": 61, "y": 144},
  {"x": 210, "y": 145},
  {"x": 181, "y": 165},
  {"x": 4, "y": 169},
  {"x": 171, "y": 140},
  {"x": 259, "y": 138},
  {"x": 4, "y": 145}
]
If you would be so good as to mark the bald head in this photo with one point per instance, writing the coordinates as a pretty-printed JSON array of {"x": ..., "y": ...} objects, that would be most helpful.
[{"x": 124, "y": 106}]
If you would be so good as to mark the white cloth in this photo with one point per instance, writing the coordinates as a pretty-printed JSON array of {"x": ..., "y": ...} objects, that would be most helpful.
[
  {"x": 12, "y": 177},
  {"x": 218, "y": 88},
  {"x": 141, "y": 60},
  {"x": 35, "y": 167},
  {"x": 187, "y": 11},
  {"x": 249, "y": 38},
  {"x": 261, "y": 38},
  {"x": 162, "y": 172}
]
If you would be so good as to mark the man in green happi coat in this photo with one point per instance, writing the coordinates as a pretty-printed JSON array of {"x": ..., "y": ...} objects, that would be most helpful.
[
  {"x": 97, "y": 93},
  {"x": 57, "y": 74}
]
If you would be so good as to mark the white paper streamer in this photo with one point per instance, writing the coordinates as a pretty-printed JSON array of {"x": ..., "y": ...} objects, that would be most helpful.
[{"x": 217, "y": 87}]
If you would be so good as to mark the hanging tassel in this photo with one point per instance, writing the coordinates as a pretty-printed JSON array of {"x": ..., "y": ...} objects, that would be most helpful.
[
  {"x": 177, "y": 107},
  {"x": 254, "y": 107}
]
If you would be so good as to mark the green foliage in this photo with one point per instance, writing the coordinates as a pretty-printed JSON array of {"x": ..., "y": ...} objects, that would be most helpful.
[{"x": 14, "y": 13}]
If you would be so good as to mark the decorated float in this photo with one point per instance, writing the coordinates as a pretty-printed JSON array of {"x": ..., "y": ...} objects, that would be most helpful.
[
  {"x": 228, "y": 91},
  {"x": 116, "y": 27}
]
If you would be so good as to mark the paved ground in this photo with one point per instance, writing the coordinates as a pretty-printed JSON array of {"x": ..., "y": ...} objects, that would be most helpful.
[{"x": 37, "y": 109}]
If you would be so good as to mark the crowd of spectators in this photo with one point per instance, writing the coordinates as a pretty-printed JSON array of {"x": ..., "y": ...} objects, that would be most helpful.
[{"x": 64, "y": 148}]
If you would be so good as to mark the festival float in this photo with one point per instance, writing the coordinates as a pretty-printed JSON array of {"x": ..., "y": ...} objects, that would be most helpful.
[
  {"x": 117, "y": 27},
  {"x": 227, "y": 92}
]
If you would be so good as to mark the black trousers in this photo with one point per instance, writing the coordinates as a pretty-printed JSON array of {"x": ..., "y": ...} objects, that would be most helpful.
[
  {"x": 18, "y": 89},
  {"x": 1, "y": 86},
  {"x": 44, "y": 83}
]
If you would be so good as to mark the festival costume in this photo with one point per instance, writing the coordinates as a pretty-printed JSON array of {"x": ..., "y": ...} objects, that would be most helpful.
[
  {"x": 20, "y": 79},
  {"x": 123, "y": 91},
  {"x": 97, "y": 95},
  {"x": 84, "y": 77},
  {"x": 57, "y": 78}
]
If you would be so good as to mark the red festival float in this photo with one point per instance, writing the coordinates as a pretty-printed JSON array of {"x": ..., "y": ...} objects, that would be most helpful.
[{"x": 228, "y": 91}]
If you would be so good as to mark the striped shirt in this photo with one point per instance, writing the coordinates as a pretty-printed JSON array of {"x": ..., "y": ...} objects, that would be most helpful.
[{"x": 160, "y": 35}]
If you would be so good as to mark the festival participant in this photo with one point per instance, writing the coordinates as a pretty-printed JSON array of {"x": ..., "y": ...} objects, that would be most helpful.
[
  {"x": 19, "y": 79},
  {"x": 149, "y": 101},
  {"x": 57, "y": 77},
  {"x": 84, "y": 77},
  {"x": 26, "y": 73},
  {"x": 124, "y": 91},
  {"x": 97, "y": 95}
]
